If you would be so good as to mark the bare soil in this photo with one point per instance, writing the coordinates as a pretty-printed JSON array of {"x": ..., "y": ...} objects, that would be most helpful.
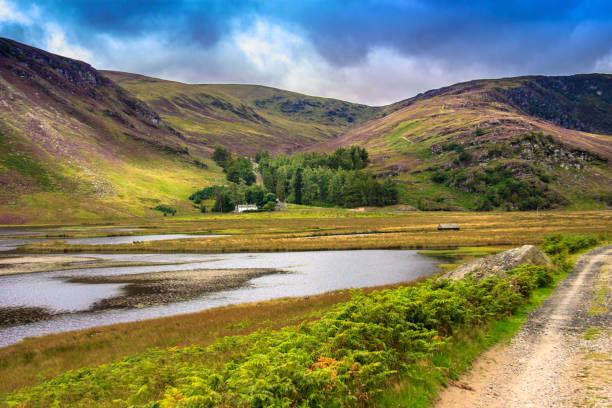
[{"x": 561, "y": 357}]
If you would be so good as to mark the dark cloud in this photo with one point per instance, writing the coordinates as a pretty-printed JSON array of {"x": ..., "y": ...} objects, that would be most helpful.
[{"x": 440, "y": 40}]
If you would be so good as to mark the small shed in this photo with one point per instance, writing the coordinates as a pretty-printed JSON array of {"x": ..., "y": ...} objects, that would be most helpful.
[{"x": 448, "y": 227}]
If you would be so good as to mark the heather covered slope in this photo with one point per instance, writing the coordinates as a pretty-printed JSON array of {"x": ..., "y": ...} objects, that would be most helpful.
[
  {"x": 245, "y": 118},
  {"x": 76, "y": 143},
  {"x": 448, "y": 145},
  {"x": 73, "y": 144}
]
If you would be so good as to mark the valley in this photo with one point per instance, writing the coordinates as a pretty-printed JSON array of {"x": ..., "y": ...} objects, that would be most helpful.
[{"x": 127, "y": 279}]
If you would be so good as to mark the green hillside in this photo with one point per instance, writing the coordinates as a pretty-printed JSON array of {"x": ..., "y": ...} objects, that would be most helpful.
[
  {"x": 458, "y": 147},
  {"x": 245, "y": 118},
  {"x": 74, "y": 145}
]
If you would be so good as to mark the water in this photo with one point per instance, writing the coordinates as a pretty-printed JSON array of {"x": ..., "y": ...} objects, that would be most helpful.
[
  {"x": 308, "y": 273},
  {"x": 129, "y": 239},
  {"x": 9, "y": 244}
]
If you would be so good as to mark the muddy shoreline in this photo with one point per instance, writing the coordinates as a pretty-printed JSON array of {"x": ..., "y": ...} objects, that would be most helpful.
[
  {"x": 45, "y": 263},
  {"x": 10, "y": 316},
  {"x": 145, "y": 290},
  {"x": 156, "y": 288}
]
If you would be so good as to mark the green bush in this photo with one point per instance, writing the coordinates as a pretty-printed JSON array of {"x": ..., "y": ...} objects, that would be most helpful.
[
  {"x": 269, "y": 206},
  {"x": 560, "y": 243},
  {"x": 166, "y": 209}
]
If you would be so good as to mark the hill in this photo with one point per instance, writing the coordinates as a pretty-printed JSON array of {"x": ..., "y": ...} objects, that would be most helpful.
[
  {"x": 457, "y": 147},
  {"x": 77, "y": 143},
  {"x": 73, "y": 144},
  {"x": 245, "y": 118}
]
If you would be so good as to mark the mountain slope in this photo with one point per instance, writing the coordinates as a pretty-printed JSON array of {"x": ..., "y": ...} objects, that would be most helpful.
[
  {"x": 78, "y": 143},
  {"x": 73, "y": 144},
  {"x": 245, "y": 118},
  {"x": 489, "y": 119}
]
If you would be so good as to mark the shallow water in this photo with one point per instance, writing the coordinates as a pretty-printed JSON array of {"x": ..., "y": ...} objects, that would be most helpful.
[
  {"x": 9, "y": 244},
  {"x": 309, "y": 273},
  {"x": 129, "y": 239}
]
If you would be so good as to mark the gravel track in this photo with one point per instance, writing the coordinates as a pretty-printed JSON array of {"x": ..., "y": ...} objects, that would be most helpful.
[{"x": 549, "y": 363}]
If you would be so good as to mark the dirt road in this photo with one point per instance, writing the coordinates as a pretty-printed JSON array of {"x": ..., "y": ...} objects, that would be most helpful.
[{"x": 561, "y": 357}]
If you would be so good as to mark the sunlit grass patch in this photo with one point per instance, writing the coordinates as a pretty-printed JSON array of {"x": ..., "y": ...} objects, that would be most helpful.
[{"x": 599, "y": 303}]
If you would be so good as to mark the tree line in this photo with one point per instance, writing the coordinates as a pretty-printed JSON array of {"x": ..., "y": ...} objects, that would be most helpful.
[{"x": 337, "y": 178}]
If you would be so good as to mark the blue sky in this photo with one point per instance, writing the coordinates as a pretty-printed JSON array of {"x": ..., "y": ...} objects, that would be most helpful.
[{"x": 368, "y": 51}]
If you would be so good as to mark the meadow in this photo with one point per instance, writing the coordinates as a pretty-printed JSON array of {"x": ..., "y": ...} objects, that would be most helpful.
[{"x": 336, "y": 229}]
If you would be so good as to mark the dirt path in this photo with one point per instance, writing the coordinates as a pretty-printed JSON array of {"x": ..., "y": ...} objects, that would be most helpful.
[{"x": 561, "y": 357}]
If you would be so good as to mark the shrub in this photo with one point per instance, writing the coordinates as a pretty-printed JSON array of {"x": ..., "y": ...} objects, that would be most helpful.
[
  {"x": 166, "y": 209},
  {"x": 269, "y": 206}
]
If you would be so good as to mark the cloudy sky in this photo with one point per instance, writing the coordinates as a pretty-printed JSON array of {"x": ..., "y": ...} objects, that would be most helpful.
[{"x": 369, "y": 51}]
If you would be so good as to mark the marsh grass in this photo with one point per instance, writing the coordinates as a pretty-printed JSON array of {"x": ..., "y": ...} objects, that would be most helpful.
[{"x": 295, "y": 231}]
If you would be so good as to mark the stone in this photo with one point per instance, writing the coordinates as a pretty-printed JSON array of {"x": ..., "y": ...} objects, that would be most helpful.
[{"x": 499, "y": 264}]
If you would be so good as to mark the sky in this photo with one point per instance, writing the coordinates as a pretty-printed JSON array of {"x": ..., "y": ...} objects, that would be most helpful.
[{"x": 368, "y": 51}]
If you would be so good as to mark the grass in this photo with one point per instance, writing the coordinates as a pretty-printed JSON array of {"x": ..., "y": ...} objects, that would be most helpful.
[
  {"x": 292, "y": 231},
  {"x": 592, "y": 333},
  {"x": 599, "y": 304}
]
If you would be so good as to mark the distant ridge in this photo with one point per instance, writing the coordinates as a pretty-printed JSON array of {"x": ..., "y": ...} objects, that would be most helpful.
[
  {"x": 246, "y": 118},
  {"x": 80, "y": 143}
]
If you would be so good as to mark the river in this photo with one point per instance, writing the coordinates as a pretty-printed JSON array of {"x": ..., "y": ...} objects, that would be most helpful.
[{"x": 307, "y": 273}]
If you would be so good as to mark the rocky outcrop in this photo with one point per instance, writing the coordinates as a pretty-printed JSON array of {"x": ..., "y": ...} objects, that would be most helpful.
[
  {"x": 580, "y": 102},
  {"x": 499, "y": 264}
]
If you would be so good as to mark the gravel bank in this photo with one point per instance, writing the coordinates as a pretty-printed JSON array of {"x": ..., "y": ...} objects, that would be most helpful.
[
  {"x": 149, "y": 289},
  {"x": 48, "y": 263}
]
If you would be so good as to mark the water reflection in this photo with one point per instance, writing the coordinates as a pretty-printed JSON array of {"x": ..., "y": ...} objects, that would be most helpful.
[{"x": 310, "y": 273}]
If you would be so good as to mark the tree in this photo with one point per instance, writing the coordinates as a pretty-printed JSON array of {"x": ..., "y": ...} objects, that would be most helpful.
[
  {"x": 255, "y": 195},
  {"x": 261, "y": 156},
  {"x": 270, "y": 197},
  {"x": 240, "y": 169},
  {"x": 237, "y": 192},
  {"x": 281, "y": 183},
  {"x": 310, "y": 192},
  {"x": 223, "y": 203},
  {"x": 298, "y": 185},
  {"x": 389, "y": 192},
  {"x": 221, "y": 156}
]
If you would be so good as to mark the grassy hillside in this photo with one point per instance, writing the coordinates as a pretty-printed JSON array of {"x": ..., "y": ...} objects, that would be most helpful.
[
  {"x": 245, "y": 118},
  {"x": 469, "y": 130},
  {"x": 74, "y": 145}
]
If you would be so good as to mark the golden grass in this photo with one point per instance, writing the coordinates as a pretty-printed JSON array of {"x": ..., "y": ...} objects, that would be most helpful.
[
  {"x": 37, "y": 359},
  {"x": 418, "y": 230}
]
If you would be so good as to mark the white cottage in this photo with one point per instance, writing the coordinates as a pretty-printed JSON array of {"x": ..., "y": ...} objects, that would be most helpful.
[{"x": 245, "y": 207}]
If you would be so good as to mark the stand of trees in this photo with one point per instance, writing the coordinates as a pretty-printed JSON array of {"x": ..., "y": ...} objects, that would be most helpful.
[
  {"x": 337, "y": 178},
  {"x": 319, "y": 178},
  {"x": 236, "y": 170},
  {"x": 228, "y": 196}
]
